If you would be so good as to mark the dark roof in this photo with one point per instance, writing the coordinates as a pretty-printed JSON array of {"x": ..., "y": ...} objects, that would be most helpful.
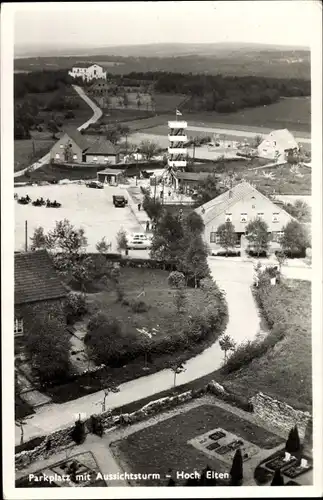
[
  {"x": 193, "y": 176},
  {"x": 36, "y": 278},
  {"x": 102, "y": 147},
  {"x": 78, "y": 138}
]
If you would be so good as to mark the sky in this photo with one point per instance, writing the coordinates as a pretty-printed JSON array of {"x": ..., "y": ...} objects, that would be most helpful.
[{"x": 122, "y": 23}]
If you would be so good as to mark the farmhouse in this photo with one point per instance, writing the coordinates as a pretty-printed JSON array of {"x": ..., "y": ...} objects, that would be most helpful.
[
  {"x": 110, "y": 176},
  {"x": 38, "y": 292},
  {"x": 239, "y": 205},
  {"x": 86, "y": 72},
  {"x": 73, "y": 147},
  {"x": 279, "y": 144}
]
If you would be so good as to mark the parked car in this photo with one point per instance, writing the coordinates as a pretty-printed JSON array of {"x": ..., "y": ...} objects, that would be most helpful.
[
  {"x": 139, "y": 241},
  {"x": 95, "y": 185},
  {"x": 119, "y": 201}
]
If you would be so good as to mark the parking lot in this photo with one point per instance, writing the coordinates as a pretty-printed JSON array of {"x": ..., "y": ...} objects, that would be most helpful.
[{"x": 91, "y": 209}]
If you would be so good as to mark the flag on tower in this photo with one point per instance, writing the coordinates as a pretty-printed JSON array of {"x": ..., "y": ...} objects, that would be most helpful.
[{"x": 178, "y": 113}]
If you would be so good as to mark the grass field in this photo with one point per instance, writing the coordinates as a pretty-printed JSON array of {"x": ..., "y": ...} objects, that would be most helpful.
[
  {"x": 284, "y": 372},
  {"x": 28, "y": 151},
  {"x": 164, "y": 446},
  {"x": 158, "y": 296},
  {"x": 291, "y": 113}
]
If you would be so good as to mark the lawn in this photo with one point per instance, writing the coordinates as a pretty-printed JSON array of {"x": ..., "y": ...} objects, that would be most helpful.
[
  {"x": 158, "y": 296},
  {"x": 164, "y": 446},
  {"x": 28, "y": 151},
  {"x": 285, "y": 371}
]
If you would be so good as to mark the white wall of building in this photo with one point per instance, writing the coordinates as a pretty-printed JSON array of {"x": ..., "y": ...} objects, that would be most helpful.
[{"x": 91, "y": 73}]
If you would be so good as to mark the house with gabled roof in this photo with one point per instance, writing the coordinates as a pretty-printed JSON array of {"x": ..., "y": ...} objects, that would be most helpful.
[
  {"x": 279, "y": 144},
  {"x": 74, "y": 147},
  {"x": 239, "y": 205},
  {"x": 38, "y": 291}
]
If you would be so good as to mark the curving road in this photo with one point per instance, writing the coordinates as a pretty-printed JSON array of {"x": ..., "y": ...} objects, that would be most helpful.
[{"x": 97, "y": 113}]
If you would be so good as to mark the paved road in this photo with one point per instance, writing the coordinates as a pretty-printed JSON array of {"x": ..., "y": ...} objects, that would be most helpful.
[{"x": 97, "y": 113}]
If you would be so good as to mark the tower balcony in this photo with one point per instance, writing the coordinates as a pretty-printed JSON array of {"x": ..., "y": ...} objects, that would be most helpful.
[
  {"x": 177, "y": 138},
  {"x": 177, "y": 163},
  {"x": 177, "y": 151},
  {"x": 177, "y": 124}
]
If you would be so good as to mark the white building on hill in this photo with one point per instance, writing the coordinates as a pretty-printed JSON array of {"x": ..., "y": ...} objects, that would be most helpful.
[
  {"x": 88, "y": 73},
  {"x": 278, "y": 145}
]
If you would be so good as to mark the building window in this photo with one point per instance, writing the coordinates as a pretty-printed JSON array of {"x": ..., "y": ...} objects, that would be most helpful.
[
  {"x": 18, "y": 326},
  {"x": 277, "y": 236},
  {"x": 228, "y": 217},
  {"x": 95, "y": 158},
  {"x": 275, "y": 217},
  {"x": 74, "y": 157},
  {"x": 57, "y": 157},
  {"x": 260, "y": 215},
  {"x": 213, "y": 236},
  {"x": 243, "y": 217},
  {"x": 61, "y": 146}
]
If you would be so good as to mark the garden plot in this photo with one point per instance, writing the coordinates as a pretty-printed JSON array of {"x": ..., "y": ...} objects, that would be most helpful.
[
  {"x": 91, "y": 209},
  {"x": 222, "y": 445}
]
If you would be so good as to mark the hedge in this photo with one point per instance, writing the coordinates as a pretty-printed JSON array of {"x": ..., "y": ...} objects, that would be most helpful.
[{"x": 276, "y": 317}]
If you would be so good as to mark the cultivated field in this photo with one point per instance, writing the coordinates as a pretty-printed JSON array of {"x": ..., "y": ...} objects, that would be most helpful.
[
  {"x": 285, "y": 371},
  {"x": 292, "y": 113},
  {"x": 91, "y": 209}
]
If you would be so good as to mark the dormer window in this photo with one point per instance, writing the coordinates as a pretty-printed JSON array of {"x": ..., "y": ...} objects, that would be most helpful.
[
  {"x": 275, "y": 217},
  {"x": 243, "y": 217},
  {"x": 228, "y": 217}
]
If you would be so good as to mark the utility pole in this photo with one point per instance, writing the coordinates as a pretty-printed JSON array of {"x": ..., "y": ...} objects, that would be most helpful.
[{"x": 26, "y": 236}]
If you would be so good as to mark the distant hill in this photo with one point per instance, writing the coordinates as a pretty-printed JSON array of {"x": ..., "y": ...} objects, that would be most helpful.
[{"x": 153, "y": 50}]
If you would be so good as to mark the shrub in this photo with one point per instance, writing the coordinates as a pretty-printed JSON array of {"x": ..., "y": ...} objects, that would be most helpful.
[
  {"x": 78, "y": 433},
  {"x": 138, "y": 306},
  {"x": 96, "y": 426},
  {"x": 75, "y": 307},
  {"x": 262, "y": 476},
  {"x": 69, "y": 114}
]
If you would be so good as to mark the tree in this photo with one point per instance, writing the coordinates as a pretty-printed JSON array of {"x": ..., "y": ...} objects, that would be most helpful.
[
  {"x": 278, "y": 479},
  {"x": 194, "y": 223},
  {"x": 38, "y": 240},
  {"x": 48, "y": 346},
  {"x": 293, "y": 444},
  {"x": 205, "y": 480},
  {"x": 207, "y": 190},
  {"x": 227, "y": 344},
  {"x": 177, "y": 367},
  {"x": 78, "y": 433},
  {"x": 122, "y": 242},
  {"x": 177, "y": 281},
  {"x": 227, "y": 236},
  {"x": 102, "y": 246},
  {"x": 111, "y": 389},
  {"x": 168, "y": 243},
  {"x": 53, "y": 128},
  {"x": 300, "y": 210},
  {"x": 21, "y": 422},
  {"x": 66, "y": 238},
  {"x": 236, "y": 471},
  {"x": 153, "y": 208},
  {"x": 196, "y": 265},
  {"x": 257, "y": 235},
  {"x": 149, "y": 149},
  {"x": 257, "y": 140},
  {"x": 295, "y": 237}
]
